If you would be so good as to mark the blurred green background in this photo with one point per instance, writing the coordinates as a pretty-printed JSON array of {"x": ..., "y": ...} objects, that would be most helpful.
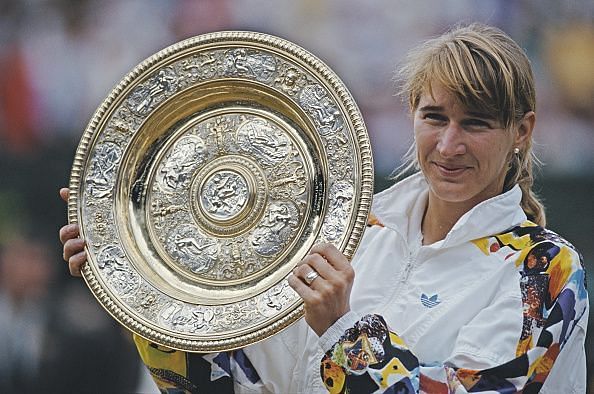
[{"x": 59, "y": 59}]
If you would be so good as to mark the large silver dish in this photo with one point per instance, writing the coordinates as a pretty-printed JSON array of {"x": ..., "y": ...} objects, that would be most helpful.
[{"x": 205, "y": 176}]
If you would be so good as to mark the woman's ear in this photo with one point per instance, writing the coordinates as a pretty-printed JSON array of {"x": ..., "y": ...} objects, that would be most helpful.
[{"x": 525, "y": 128}]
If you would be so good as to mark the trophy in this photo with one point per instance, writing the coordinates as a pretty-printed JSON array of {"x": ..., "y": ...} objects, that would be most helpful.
[{"x": 205, "y": 176}]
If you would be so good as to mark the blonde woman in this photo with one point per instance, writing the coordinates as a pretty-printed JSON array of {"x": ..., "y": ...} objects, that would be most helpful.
[{"x": 457, "y": 286}]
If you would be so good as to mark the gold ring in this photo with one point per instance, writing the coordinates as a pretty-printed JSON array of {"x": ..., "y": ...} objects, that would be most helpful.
[{"x": 311, "y": 276}]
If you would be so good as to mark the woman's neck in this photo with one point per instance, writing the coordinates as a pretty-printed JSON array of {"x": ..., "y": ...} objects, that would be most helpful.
[{"x": 440, "y": 216}]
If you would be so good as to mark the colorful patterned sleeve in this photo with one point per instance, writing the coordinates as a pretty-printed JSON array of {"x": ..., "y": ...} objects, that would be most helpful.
[
  {"x": 370, "y": 358},
  {"x": 177, "y": 372}
]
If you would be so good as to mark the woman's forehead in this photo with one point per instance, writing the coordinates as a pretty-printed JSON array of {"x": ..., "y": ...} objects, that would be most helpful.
[
  {"x": 435, "y": 93},
  {"x": 438, "y": 95}
]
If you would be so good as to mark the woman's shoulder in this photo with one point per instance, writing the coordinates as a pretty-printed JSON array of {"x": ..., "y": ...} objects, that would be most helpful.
[
  {"x": 536, "y": 250},
  {"x": 529, "y": 236},
  {"x": 540, "y": 234}
]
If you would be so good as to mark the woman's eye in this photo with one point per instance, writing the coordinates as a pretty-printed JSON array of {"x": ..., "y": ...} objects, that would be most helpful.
[
  {"x": 478, "y": 123},
  {"x": 435, "y": 118}
]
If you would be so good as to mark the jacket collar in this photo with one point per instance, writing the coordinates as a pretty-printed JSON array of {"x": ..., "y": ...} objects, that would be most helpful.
[{"x": 401, "y": 207}]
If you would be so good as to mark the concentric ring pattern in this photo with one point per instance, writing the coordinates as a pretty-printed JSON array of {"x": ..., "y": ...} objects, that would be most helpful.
[{"x": 207, "y": 173}]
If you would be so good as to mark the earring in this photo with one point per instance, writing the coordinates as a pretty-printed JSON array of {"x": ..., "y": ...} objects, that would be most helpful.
[{"x": 517, "y": 150}]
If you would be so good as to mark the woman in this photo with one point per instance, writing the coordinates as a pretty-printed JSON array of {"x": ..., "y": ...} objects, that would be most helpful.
[{"x": 458, "y": 287}]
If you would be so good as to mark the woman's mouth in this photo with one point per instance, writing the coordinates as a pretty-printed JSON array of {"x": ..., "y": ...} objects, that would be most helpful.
[{"x": 450, "y": 170}]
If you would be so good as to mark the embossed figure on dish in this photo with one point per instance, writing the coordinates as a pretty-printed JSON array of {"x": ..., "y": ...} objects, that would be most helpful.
[
  {"x": 144, "y": 97},
  {"x": 263, "y": 140},
  {"x": 186, "y": 320},
  {"x": 338, "y": 211},
  {"x": 191, "y": 250},
  {"x": 177, "y": 169},
  {"x": 244, "y": 312},
  {"x": 275, "y": 229},
  {"x": 162, "y": 209},
  {"x": 100, "y": 223},
  {"x": 222, "y": 129},
  {"x": 122, "y": 124},
  {"x": 290, "y": 79},
  {"x": 100, "y": 180},
  {"x": 324, "y": 111},
  {"x": 238, "y": 260},
  {"x": 244, "y": 62},
  {"x": 111, "y": 260},
  {"x": 200, "y": 67},
  {"x": 276, "y": 299},
  {"x": 224, "y": 194},
  {"x": 288, "y": 180},
  {"x": 147, "y": 301}
]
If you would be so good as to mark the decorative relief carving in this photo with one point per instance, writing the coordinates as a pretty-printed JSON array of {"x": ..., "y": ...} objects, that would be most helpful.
[
  {"x": 148, "y": 301},
  {"x": 146, "y": 96},
  {"x": 176, "y": 171},
  {"x": 102, "y": 230},
  {"x": 206, "y": 319},
  {"x": 276, "y": 299},
  {"x": 264, "y": 192},
  {"x": 101, "y": 177},
  {"x": 122, "y": 125},
  {"x": 339, "y": 149},
  {"x": 238, "y": 259},
  {"x": 187, "y": 319},
  {"x": 250, "y": 63},
  {"x": 290, "y": 80},
  {"x": 100, "y": 224},
  {"x": 200, "y": 67},
  {"x": 262, "y": 139},
  {"x": 113, "y": 263},
  {"x": 191, "y": 250},
  {"x": 288, "y": 180},
  {"x": 162, "y": 210},
  {"x": 316, "y": 102},
  {"x": 262, "y": 150},
  {"x": 224, "y": 194},
  {"x": 244, "y": 215},
  {"x": 222, "y": 129},
  {"x": 243, "y": 312},
  {"x": 338, "y": 211},
  {"x": 276, "y": 228}
]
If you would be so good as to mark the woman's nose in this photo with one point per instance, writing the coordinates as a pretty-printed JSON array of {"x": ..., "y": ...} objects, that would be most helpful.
[{"x": 451, "y": 141}]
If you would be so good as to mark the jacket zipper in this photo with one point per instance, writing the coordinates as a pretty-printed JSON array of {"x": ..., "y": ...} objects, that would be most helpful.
[
  {"x": 413, "y": 253},
  {"x": 406, "y": 272},
  {"x": 400, "y": 284},
  {"x": 408, "y": 268}
]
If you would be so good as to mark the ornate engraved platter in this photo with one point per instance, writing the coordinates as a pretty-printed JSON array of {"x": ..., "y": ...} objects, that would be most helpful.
[{"x": 205, "y": 176}]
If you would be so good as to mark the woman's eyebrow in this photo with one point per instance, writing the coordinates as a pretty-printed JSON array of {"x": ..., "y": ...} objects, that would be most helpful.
[
  {"x": 482, "y": 115},
  {"x": 431, "y": 108}
]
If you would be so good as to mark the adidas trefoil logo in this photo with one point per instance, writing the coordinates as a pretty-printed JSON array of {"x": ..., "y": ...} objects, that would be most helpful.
[{"x": 429, "y": 302}]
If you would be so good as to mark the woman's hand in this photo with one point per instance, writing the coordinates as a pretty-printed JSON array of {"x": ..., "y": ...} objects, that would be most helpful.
[
  {"x": 326, "y": 296},
  {"x": 74, "y": 247}
]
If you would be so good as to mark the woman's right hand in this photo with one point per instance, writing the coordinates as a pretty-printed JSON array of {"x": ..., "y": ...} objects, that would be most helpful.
[{"x": 74, "y": 247}]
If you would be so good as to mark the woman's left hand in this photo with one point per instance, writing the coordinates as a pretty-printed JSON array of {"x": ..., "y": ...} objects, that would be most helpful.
[{"x": 326, "y": 296}]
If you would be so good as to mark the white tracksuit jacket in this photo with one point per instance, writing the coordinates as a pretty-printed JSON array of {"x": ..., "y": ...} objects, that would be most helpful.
[{"x": 456, "y": 310}]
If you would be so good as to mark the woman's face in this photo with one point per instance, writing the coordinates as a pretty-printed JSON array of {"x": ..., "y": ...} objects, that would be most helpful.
[{"x": 463, "y": 155}]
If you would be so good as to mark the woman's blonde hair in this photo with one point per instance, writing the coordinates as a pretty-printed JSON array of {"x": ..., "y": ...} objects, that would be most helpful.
[{"x": 487, "y": 72}]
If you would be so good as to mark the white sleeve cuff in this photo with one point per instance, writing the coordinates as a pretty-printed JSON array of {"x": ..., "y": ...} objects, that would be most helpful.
[{"x": 335, "y": 331}]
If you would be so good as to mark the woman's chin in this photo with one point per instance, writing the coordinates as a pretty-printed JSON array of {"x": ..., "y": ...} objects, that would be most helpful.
[{"x": 452, "y": 192}]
